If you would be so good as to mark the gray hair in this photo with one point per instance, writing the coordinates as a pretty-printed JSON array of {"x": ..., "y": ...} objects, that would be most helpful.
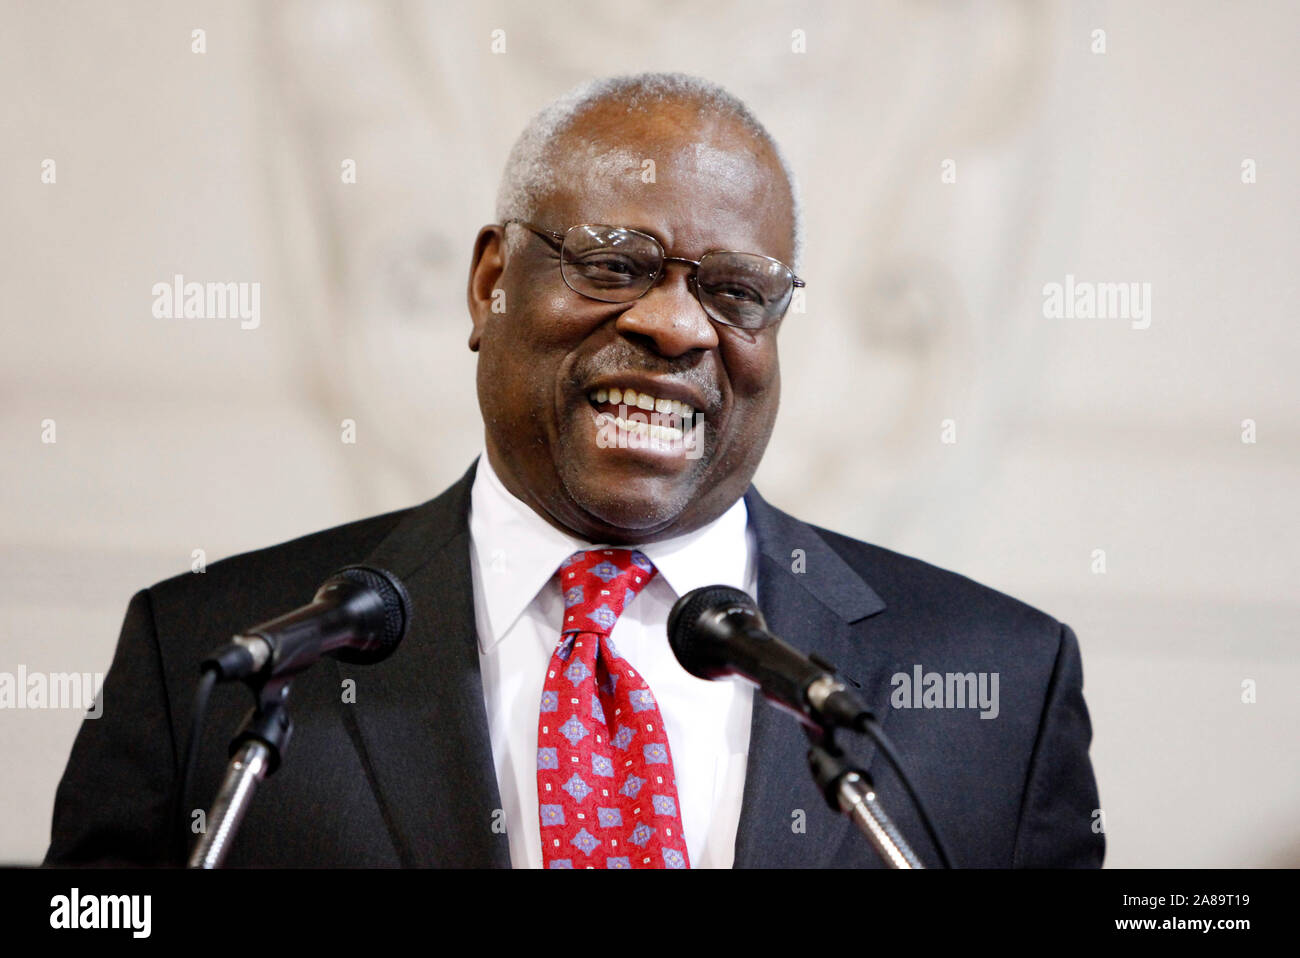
[{"x": 530, "y": 174}]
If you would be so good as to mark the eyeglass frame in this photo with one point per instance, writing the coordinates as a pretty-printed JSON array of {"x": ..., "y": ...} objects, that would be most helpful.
[{"x": 559, "y": 238}]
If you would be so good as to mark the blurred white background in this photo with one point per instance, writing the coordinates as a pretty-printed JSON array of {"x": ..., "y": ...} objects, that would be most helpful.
[{"x": 925, "y": 303}]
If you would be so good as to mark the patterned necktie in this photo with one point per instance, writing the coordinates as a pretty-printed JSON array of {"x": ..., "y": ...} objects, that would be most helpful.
[{"x": 604, "y": 772}]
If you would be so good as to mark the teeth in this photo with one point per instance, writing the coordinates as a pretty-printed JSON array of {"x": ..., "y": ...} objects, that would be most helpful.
[
  {"x": 635, "y": 400},
  {"x": 661, "y": 433}
]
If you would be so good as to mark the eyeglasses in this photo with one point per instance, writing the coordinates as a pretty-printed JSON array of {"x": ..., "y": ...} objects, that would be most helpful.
[{"x": 614, "y": 264}]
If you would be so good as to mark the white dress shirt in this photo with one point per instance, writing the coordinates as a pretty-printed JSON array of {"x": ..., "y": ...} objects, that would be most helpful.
[{"x": 518, "y": 606}]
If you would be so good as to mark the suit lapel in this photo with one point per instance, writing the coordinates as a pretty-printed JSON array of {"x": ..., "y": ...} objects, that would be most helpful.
[
  {"x": 419, "y": 720},
  {"x": 810, "y": 598}
]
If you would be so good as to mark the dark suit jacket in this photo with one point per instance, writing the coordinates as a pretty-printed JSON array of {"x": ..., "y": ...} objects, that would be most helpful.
[{"x": 403, "y": 775}]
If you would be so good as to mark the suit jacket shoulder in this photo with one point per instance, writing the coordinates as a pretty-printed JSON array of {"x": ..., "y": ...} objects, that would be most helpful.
[
  {"x": 119, "y": 802},
  {"x": 981, "y": 693},
  {"x": 906, "y": 583}
]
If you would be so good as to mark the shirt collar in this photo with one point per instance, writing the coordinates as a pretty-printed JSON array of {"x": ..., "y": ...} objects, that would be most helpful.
[{"x": 518, "y": 551}]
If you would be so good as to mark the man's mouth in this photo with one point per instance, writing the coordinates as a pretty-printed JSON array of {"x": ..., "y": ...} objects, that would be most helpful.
[
  {"x": 608, "y": 400},
  {"x": 641, "y": 413}
]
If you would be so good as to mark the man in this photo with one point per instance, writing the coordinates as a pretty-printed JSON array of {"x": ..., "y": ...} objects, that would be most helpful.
[{"x": 534, "y": 714}]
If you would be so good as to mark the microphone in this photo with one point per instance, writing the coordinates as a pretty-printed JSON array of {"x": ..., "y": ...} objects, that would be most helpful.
[
  {"x": 359, "y": 615},
  {"x": 718, "y": 631}
]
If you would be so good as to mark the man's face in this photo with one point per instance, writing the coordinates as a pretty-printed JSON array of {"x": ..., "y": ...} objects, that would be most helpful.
[{"x": 550, "y": 350}]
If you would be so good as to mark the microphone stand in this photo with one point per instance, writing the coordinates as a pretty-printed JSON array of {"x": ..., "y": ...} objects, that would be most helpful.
[
  {"x": 849, "y": 789},
  {"x": 255, "y": 752}
]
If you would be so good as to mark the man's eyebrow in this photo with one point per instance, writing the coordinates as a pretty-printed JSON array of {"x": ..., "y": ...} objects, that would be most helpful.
[
  {"x": 539, "y": 231},
  {"x": 649, "y": 231}
]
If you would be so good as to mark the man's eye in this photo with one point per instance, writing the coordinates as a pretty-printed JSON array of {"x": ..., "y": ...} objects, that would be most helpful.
[
  {"x": 736, "y": 291},
  {"x": 609, "y": 264},
  {"x": 610, "y": 270}
]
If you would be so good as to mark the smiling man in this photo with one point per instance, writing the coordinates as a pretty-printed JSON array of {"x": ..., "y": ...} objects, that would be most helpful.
[
  {"x": 625, "y": 311},
  {"x": 718, "y": 184}
]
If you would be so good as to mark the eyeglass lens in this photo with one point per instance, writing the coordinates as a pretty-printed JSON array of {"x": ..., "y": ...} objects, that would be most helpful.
[{"x": 617, "y": 265}]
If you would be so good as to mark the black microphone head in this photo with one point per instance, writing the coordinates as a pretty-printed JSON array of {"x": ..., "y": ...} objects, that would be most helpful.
[
  {"x": 699, "y": 623},
  {"x": 395, "y": 615}
]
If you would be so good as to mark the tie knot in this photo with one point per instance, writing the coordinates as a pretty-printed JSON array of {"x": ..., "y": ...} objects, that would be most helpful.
[{"x": 598, "y": 584}]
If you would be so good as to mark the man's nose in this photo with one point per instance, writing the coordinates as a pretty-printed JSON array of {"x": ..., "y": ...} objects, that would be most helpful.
[{"x": 670, "y": 317}]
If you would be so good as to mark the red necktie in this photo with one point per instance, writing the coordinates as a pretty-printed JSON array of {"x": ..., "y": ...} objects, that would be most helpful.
[{"x": 604, "y": 772}]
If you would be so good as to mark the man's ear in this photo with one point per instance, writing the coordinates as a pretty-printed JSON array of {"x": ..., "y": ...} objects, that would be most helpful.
[{"x": 485, "y": 271}]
